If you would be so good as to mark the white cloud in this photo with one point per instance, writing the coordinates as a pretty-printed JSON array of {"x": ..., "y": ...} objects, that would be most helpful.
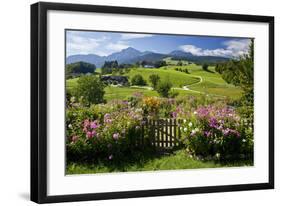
[
  {"x": 83, "y": 45},
  {"x": 115, "y": 47},
  {"x": 234, "y": 48},
  {"x": 135, "y": 36}
]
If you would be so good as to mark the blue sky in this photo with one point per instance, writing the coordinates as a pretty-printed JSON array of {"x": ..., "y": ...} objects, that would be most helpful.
[{"x": 105, "y": 43}]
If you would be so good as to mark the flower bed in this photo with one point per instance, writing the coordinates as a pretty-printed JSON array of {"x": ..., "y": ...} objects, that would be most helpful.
[
  {"x": 102, "y": 132},
  {"x": 217, "y": 131}
]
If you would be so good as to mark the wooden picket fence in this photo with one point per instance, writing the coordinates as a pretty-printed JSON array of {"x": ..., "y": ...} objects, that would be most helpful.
[{"x": 161, "y": 133}]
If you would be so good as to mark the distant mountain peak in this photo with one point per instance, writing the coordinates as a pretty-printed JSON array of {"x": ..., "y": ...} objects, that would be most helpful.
[
  {"x": 130, "y": 49},
  {"x": 180, "y": 53}
]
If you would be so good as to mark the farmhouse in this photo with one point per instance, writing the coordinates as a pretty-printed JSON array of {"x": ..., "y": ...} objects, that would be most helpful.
[
  {"x": 121, "y": 80},
  {"x": 148, "y": 66}
]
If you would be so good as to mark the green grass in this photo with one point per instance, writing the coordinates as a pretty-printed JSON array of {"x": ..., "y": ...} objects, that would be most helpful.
[
  {"x": 151, "y": 162},
  {"x": 170, "y": 61},
  {"x": 125, "y": 92},
  {"x": 211, "y": 84},
  {"x": 178, "y": 79}
]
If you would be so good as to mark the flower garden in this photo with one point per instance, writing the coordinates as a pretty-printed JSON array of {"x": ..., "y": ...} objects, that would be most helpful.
[{"x": 212, "y": 130}]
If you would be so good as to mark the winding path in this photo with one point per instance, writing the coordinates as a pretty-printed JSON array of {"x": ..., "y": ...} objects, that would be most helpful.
[{"x": 186, "y": 87}]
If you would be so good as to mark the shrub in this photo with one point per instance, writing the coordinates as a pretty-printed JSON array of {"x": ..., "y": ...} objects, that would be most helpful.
[
  {"x": 79, "y": 68},
  {"x": 154, "y": 79},
  {"x": 102, "y": 132},
  {"x": 151, "y": 106},
  {"x": 89, "y": 90},
  {"x": 205, "y": 67},
  {"x": 217, "y": 131},
  {"x": 138, "y": 80},
  {"x": 163, "y": 88}
]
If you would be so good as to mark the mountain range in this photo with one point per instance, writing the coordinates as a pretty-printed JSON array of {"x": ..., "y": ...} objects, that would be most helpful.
[{"x": 131, "y": 55}]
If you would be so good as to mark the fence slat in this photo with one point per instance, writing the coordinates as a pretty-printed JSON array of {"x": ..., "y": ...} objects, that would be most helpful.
[
  {"x": 166, "y": 133},
  {"x": 179, "y": 126},
  {"x": 158, "y": 134},
  {"x": 171, "y": 133}
]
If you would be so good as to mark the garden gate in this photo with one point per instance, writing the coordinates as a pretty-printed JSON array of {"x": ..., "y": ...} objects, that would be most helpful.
[{"x": 164, "y": 133}]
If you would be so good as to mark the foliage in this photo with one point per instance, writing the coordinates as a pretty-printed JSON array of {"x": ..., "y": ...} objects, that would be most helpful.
[
  {"x": 154, "y": 79},
  {"x": 163, "y": 88},
  {"x": 108, "y": 67},
  {"x": 179, "y": 63},
  {"x": 159, "y": 64},
  {"x": 89, "y": 90},
  {"x": 151, "y": 106},
  {"x": 205, "y": 67},
  {"x": 138, "y": 80},
  {"x": 79, "y": 68},
  {"x": 240, "y": 72},
  {"x": 149, "y": 160},
  {"x": 175, "y": 77},
  {"x": 217, "y": 131},
  {"x": 102, "y": 132}
]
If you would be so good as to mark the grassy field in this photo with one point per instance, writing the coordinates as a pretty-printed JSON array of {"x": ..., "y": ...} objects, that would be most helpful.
[
  {"x": 177, "y": 160},
  {"x": 178, "y": 79},
  {"x": 170, "y": 61},
  {"x": 197, "y": 82}
]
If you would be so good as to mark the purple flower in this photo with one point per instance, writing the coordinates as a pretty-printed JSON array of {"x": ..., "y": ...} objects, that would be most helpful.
[
  {"x": 108, "y": 121},
  {"x": 202, "y": 112},
  {"x": 110, "y": 157},
  {"x": 106, "y": 117},
  {"x": 213, "y": 122},
  {"x": 115, "y": 136},
  {"x": 174, "y": 114},
  {"x": 94, "y": 124},
  {"x": 207, "y": 133}
]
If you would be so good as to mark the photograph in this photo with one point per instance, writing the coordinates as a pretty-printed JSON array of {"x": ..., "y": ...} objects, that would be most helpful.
[{"x": 150, "y": 101}]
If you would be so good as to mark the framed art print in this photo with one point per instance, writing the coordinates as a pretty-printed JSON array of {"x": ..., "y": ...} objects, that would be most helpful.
[{"x": 133, "y": 102}]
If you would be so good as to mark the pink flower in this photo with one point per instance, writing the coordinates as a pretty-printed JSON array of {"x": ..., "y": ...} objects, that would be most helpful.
[
  {"x": 110, "y": 157},
  {"x": 86, "y": 123},
  {"x": 106, "y": 116},
  {"x": 94, "y": 133},
  {"x": 89, "y": 135},
  {"x": 115, "y": 136},
  {"x": 108, "y": 121},
  {"x": 74, "y": 138}
]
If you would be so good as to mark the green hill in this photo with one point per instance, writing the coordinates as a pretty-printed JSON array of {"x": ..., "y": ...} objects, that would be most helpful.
[{"x": 178, "y": 79}]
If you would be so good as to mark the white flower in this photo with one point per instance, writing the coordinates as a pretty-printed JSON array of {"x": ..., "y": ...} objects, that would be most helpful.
[
  {"x": 180, "y": 128},
  {"x": 184, "y": 121},
  {"x": 190, "y": 124},
  {"x": 218, "y": 155},
  {"x": 194, "y": 112},
  {"x": 243, "y": 140},
  {"x": 196, "y": 130},
  {"x": 70, "y": 126},
  {"x": 193, "y": 131},
  {"x": 185, "y": 129}
]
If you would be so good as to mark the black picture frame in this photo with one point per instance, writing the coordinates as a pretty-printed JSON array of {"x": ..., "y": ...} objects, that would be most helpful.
[{"x": 39, "y": 101}]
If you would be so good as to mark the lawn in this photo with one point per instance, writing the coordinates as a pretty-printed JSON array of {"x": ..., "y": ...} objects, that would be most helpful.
[
  {"x": 178, "y": 79},
  {"x": 151, "y": 162}
]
